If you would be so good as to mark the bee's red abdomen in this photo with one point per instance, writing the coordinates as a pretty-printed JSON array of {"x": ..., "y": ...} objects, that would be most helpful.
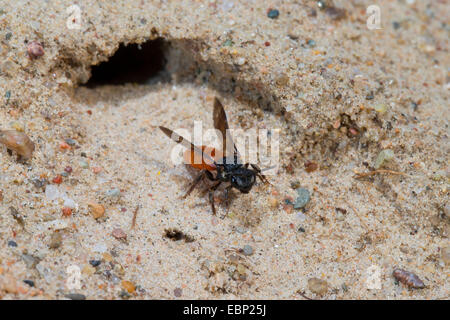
[{"x": 202, "y": 163}]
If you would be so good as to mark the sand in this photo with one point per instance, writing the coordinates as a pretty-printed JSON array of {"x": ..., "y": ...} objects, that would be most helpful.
[{"x": 339, "y": 93}]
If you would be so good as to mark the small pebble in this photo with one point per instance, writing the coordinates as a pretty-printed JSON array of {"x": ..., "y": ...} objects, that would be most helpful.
[
  {"x": 38, "y": 183},
  {"x": 241, "y": 269},
  {"x": 99, "y": 247},
  {"x": 303, "y": 197},
  {"x": 228, "y": 43},
  {"x": 64, "y": 145},
  {"x": 241, "y": 61},
  {"x": 177, "y": 292},
  {"x": 311, "y": 166},
  {"x": 35, "y": 49},
  {"x": 241, "y": 230},
  {"x": 68, "y": 169},
  {"x": 107, "y": 257},
  {"x": 408, "y": 278},
  {"x": 57, "y": 179},
  {"x": 295, "y": 184},
  {"x": 29, "y": 282},
  {"x": 96, "y": 170},
  {"x": 353, "y": 131},
  {"x": 273, "y": 202},
  {"x": 318, "y": 286},
  {"x": 84, "y": 164},
  {"x": 273, "y": 13},
  {"x": 67, "y": 212},
  {"x": 119, "y": 234},
  {"x": 70, "y": 142},
  {"x": 69, "y": 203},
  {"x": 75, "y": 296},
  {"x": 311, "y": 43},
  {"x": 12, "y": 244},
  {"x": 287, "y": 206},
  {"x": 129, "y": 286},
  {"x": 380, "y": 108},
  {"x": 113, "y": 192},
  {"x": 55, "y": 240},
  {"x": 383, "y": 156},
  {"x": 247, "y": 250},
  {"x": 52, "y": 192},
  {"x": 88, "y": 270},
  {"x": 336, "y": 13},
  {"x": 30, "y": 260},
  {"x": 322, "y": 4},
  {"x": 18, "y": 142},
  {"x": 97, "y": 210},
  {"x": 95, "y": 263}
]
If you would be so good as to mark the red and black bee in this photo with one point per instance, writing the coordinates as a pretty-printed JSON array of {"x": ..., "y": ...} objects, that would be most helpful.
[{"x": 215, "y": 165}]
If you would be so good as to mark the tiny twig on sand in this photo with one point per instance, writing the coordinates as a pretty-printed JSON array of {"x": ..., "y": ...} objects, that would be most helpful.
[
  {"x": 303, "y": 295},
  {"x": 133, "y": 222},
  {"x": 379, "y": 171}
]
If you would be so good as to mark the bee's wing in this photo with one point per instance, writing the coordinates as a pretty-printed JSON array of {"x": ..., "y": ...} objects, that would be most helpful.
[
  {"x": 221, "y": 124},
  {"x": 179, "y": 139}
]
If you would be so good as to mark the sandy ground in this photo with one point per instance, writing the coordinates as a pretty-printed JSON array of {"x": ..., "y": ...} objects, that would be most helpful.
[{"x": 339, "y": 93}]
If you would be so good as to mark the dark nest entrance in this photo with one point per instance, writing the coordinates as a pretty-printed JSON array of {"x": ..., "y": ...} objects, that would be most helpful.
[{"x": 134, "y": 63}]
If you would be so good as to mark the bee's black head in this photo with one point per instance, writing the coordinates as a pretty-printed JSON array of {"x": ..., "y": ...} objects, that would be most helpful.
[{"x": 243, "y": 179}]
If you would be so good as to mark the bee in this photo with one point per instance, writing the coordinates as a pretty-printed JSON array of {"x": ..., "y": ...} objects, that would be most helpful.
[{"x": 215, "y": 165}]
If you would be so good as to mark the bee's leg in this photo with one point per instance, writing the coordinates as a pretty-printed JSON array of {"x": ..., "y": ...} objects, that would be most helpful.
[
  {"x": 227, "y": 201},
  {"x": 255, "y": 167},
  {"x": 210, "y": 176},
  {"x": 211, "y": 196},
  {"x": 259, "y": 174},
  {"x": 196, "y": 181}
]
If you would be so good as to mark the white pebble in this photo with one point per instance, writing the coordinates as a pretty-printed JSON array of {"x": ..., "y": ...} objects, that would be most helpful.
[
  {"x": 301, "y": 216},
  {"x": 241, "y": 61},
  {"x": 51, "y": 192},
  {"x": 69, "y": 203},
  {"x": 100, "y": 248}
]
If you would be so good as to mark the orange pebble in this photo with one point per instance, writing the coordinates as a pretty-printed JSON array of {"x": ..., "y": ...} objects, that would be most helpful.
[
  {"x": 64, "y": 145},
  {"x": 57, "y": 179},
  {"x": 67, "y": 212},
  {"x": 96, "y": 170},
  {"x": 129, "y": 286}
]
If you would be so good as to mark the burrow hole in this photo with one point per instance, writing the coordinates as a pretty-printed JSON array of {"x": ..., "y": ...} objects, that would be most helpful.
[{"x": 132, "y": 63}]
